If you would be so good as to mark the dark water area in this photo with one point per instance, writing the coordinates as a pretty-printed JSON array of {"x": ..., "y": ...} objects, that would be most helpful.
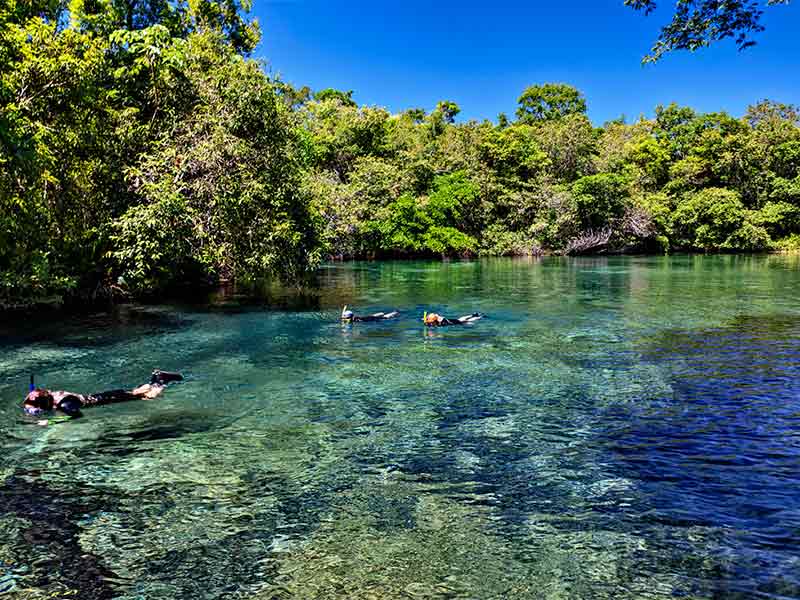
[{"x": 616, "y": 427}]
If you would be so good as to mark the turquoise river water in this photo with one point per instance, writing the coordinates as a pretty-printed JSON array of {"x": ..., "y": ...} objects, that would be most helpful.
[{"x": 615, "y": 428}]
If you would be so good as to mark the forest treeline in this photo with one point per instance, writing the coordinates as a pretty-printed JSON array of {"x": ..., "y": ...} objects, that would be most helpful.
[{"x": 141, "y": 147}]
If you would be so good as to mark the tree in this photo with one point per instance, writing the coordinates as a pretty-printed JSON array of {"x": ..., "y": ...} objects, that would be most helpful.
[
  {"x": 768, "y": 111},
  {"x": 710, "y": 220},
  {"x": 227, "y": 18},
  {"x": 443, "y": 115},
  {"x": 344, "y": 98},
  {"x": 699, "y": 23},
  {"x": 227, "y": 179},
  {"x": 600, "y": 199},
  {"x": 549, "y": 101},
  {"x": 417, "y": 115},
  {"x": 448, "y": 111},
  {"x": 514, "y": 152}
]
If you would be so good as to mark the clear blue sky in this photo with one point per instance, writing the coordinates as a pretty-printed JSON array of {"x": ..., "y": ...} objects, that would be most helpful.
[{"x": 483, "y": 54}]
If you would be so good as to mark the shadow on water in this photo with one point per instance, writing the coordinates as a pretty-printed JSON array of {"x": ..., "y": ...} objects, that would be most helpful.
[
  {"x": 718, "y": 457},
  {"x": 94, "y": 330},
  {"x": 52, "y": 530}
]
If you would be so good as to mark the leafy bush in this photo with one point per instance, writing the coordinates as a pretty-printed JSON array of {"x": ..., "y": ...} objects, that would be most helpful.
[
  {"x": 514, "y": 152},
  {"x": 414, "y": 226},
  {"x": 778, "y": 218},
  {"x": 790, "y": 243},
  {"x": 750, "y": 236},
  {"x": 707, "y": 220},
  {"x": 786, "y": 159},
  {"x": 499, "y": 241},
  {"x": 156, "y": 244},
  {"x": 600, "y": 199}
]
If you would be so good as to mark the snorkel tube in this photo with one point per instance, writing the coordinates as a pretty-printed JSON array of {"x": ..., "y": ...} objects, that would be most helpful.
[{"x": 31, "y": 410}]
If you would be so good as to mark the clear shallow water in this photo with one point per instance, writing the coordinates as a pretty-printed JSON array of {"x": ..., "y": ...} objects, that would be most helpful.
[{"x": 618, "y": 428}]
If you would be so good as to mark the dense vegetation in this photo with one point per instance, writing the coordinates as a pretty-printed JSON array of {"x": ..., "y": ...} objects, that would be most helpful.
[{"x": 140, "y": 147}]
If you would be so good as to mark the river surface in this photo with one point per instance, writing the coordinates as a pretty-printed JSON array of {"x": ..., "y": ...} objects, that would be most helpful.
[{"x": 615, "y": 428}]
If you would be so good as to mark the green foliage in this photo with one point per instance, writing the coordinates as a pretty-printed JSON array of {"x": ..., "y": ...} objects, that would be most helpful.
[
  {"x": 156, "y": 245},
  {"x": 514, "y": 152},
  {"x": 404, "y": 226},
  {"x": 600, "y": 199},
  {"x": 651, "y": 160},
  {"x": 659, "y": 209},
  {"x": 330, "y": 94},
  {"x": 784, "y": 190},
  {"x": 417, "y": 115},
  {"x": 448, "y": 111},
  {"x": 786, "y": 159},
  {"x": 430, "y": 225},
  {"x": 710, "y": 220},
  {"x": 497, "y": 240},
  {"x": 343, "y": 133},
  {"x": 139, "y": 145},
  {"x": 549, "y": 101},
  {"x": 699, "y": 23},
  {"x": 570, "y": 145},
  {"x": 788, "y": 244},
  {"x": 444, "y": 114},
  {"x": 233, "y": 164},
  {"x": 452, "y": 194},
  {"x": 779, "y": 219},
  {"x": 105, "y": 110}
]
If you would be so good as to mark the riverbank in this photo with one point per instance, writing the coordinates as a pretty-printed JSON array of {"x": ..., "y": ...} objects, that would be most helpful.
[{"x": 277, "y": 295}]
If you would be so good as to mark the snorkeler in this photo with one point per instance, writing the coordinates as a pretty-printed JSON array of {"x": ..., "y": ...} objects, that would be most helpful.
[
  {"x": 436, "y": 320},
  {"x": 349, "y": 317},
  {"x": 40, "y": 401}
]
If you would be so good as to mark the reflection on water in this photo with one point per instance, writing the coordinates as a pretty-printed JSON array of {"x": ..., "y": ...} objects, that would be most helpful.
[{"x": 617, "y": 428}]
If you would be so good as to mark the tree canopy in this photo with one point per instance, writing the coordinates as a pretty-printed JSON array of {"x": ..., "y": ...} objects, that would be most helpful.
[
  {"x": 141, "y": 149},
  {"x": 549, "y": 101}
]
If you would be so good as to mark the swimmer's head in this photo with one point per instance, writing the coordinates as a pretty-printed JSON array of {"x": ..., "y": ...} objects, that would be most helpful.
[
  {"x": 347, "y": 315},
  {"x": 430, "y": 318},
  {"x": 38, "y": 401}
]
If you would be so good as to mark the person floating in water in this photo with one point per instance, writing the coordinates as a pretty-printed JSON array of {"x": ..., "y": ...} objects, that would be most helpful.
[
  {"x": 436, "y": 320},
  {"x": 41, "y": 401},
  {"x": 349, "y": 317}
]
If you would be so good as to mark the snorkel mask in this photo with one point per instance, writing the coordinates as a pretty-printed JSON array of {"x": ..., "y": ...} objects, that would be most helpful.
[
  {"x": 347, "y": 315},
  {"x": 38, "y": 402}
]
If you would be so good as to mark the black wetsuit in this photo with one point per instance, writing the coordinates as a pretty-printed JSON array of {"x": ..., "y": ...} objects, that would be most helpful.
[
  {"x": 445, "y": 322},
  {"x": 72, "y": 403},
  {"x": 370, "y": 318},
  {"x": 161, "y": 378}
]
